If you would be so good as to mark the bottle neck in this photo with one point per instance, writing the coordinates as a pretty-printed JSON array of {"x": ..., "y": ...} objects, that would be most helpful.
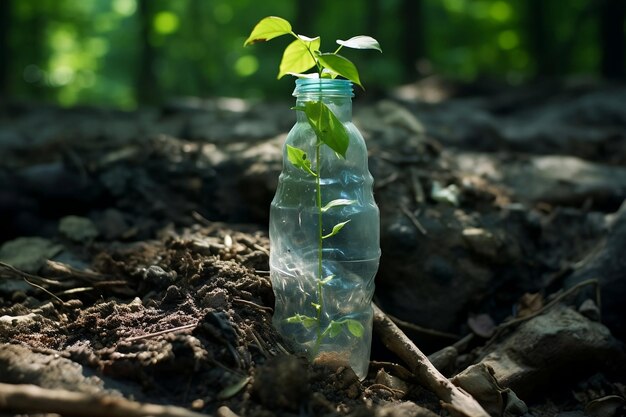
[
  {"x": 335, "y": 93},
  {"x": 340, "y": 106}
]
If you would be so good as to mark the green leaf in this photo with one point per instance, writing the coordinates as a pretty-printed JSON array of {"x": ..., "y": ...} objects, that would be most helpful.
[
  {"x": 336, "y": 229},
  {"x": 306, "y": 321},
  {"x": 334, "y": 328},
  {"x": 297, "y": 57},
  {"x": 327, "y": 127},
  {"x": 327, "y": 279},
  {"x": 309, "y": 322},
  {"x": 298, "y": 158},
  {"x": 340, "y": 65},
  {"x": 268, "y": 28},
  {"x": 336, "y": 203},
  {"x": 361, "y": 42},
  {"x": 355, "y": 327}
]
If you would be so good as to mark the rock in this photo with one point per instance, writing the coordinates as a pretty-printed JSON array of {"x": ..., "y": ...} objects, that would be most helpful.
[
  {"x": 112, "y": 224},
  {"x": 79, "y": 229},
  {"x": 553, "y": 348},
  {"x": 479, "y": 381},
  {"x": 156, "y": 276},
  {"x": 606, "y": 263},
  {"x": 281, "y": 383},
  {"x": 28, "y": 253},
  {"x": 19, "y": 365},
  {"x": 482, "y": 242},
  {"x": 403, "y": 409},
  {"x": 557, "y": 180}
]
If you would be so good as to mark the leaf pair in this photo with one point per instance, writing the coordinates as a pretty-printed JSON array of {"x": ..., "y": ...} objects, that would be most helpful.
[
  {"x": 304, "y": 53},
  {"x": 303, "y": 319},
  {"x": 353, "y": 326}
]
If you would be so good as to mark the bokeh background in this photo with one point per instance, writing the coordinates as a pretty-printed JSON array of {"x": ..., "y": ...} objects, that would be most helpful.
[{"x": 127, "y": 53}]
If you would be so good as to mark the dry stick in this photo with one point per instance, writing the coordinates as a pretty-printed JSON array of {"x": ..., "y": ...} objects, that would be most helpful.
[
  {"x": 454, "y": 399},
  {"x": 162, "y": 332},
  {"x": 253, "y": 304},
  {"x": 423, "y": 330},
  {"x": 542, "y": 310},
  {"x": 413, "y": 219},
  {"x": 34, "y": 399}
]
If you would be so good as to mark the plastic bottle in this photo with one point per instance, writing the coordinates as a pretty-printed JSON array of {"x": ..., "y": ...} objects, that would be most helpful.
[{"x": 303, "y": 314}]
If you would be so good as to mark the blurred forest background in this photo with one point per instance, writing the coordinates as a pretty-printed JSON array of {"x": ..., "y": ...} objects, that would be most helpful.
[{"x": 126, "y": 53}]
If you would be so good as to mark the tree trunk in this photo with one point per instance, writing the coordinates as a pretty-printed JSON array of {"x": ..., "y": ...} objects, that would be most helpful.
[
  {"x": 540, "y": 41},
  {"x": 305, "y": 18},
  {"x": 147, "y": 87},
  {"x": 5, "y": 47},
  {"x": 612, "y": 39},
  {"x": 412, "y": 36}
]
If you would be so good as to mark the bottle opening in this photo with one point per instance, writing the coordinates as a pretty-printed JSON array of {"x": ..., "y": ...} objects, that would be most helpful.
[{"x": 323, "y": 86}]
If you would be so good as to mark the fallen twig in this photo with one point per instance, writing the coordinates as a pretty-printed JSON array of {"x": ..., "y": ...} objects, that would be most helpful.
[
  {"x": 413, "y": 219},
  {"x": 423, "y": 330},
  {"x": 34, "y": 399},
  {"x": 162, "y": 332},
  {"x": 253, "y": 304},
  {"x": 558, "y": 298},
  {"x": 454, "y": 399}
]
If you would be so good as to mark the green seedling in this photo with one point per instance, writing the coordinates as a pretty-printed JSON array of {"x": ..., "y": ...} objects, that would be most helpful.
[{"x": 300, "y": 56}]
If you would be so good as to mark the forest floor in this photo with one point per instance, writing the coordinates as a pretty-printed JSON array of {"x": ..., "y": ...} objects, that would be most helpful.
[{"x": 134, "y": 276}]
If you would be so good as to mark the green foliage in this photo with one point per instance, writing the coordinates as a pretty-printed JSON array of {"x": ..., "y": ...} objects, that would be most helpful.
[
  {"x": 327, "y": 127},
  {"x": 268, "y": 28},
  {"x": 298, "y": 158},
  {"x": 336, "y": 229},
  {"x": 336, "y": 203},
  {"x": 297, "y": 57},
  {"x": 91, "y": 52},
  {"x": 360, "y": 42},
  {"x": 338, "y": 65},
  {"x": 303, "y": 53}
]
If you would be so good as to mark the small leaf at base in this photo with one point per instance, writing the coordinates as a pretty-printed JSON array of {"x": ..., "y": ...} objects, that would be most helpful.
[
  {"x": 336, "y": 203},
  {"x": 355, "y": 327},
  {"x": 336, "y": 229},
  {"x": 298, "y": 158}
]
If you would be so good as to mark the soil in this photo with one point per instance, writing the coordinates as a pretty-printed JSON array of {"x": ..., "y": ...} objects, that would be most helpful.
[{"x": 134, "y": 252}]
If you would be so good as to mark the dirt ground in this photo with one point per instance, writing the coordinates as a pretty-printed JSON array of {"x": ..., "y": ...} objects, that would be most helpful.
[{"x": 134, "y": 257}]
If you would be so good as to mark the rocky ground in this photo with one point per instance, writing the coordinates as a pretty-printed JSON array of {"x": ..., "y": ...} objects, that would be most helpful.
[{"x": 134, "y": 257}]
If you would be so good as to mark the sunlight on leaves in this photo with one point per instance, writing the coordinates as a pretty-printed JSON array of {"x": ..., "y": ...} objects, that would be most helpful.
[
  {"x": 297, "y": 56},
  {"x": 341, "y": 66},
  {"x": 360, "y": 42},
  {"x": 268, "y": 28}
]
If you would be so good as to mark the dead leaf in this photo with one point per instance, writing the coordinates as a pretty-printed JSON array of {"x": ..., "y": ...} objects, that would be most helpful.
[
  {"x": 608, "y": 406},
  {"x": 482, "y": 325},
  {"x": 528, "y": 304}
]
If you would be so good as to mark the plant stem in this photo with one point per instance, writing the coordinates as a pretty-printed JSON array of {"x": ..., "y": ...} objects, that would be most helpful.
[{"x": 320, "y": 247}]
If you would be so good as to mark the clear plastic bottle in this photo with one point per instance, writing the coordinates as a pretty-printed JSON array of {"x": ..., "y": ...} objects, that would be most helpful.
[{"x": 324, "y": 308}]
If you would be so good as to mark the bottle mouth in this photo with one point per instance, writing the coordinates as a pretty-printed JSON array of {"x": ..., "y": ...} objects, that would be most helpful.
[{"x": 323, "y": 86}]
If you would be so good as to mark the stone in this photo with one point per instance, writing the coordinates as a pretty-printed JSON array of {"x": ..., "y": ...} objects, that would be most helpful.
[
  {"x": 553, "y": 348},
  {"x": 79, "y": 229},
  {"x": 28, "y": 253}
]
